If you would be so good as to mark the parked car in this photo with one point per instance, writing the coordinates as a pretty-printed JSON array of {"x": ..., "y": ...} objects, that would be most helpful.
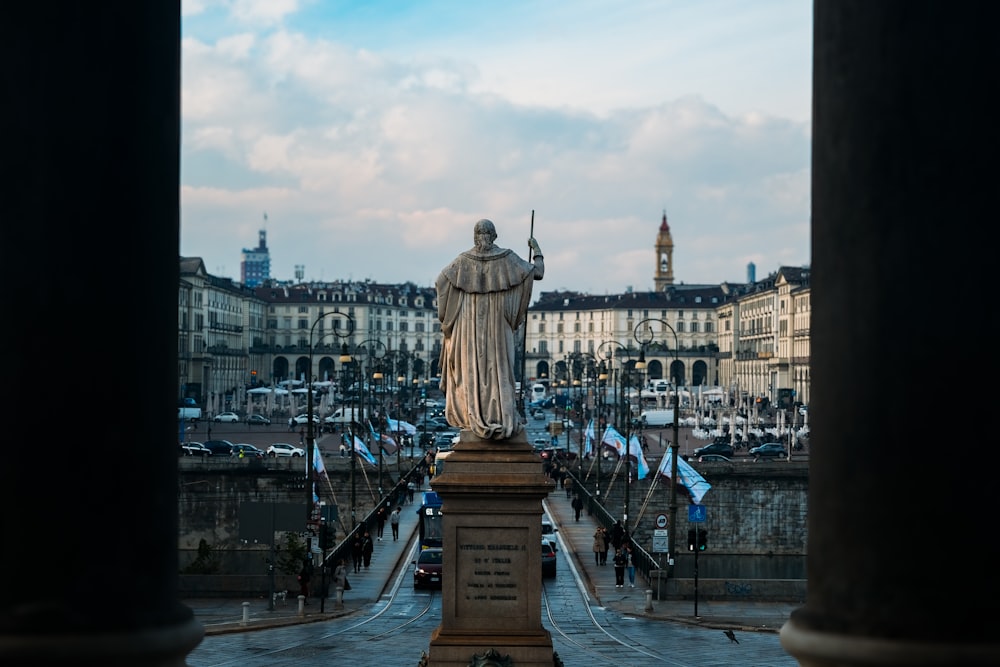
[
  {"x": 194, "y": 449},
  {"x": 445, "y": 440},
  {"x": 248, "y": 451},
  {"x": 714, "y": 458},
  {"x": 768, "y": 449},
  {"x": 259, "y": 420},
  {"x": 540, "y": 443},
  {"x": 303, "y": 419},
  {"x": 230, "y": 417},
  {"x": 723, "y": 448},
  {"x": 284, "y": 449},
  {"x": 549, "y": 533},
  {"x": 219, "y": 447},
  {"x": 548, "y": 559},
  {"x": 427, "y": 568},
  {"x": 538, "y": 413},
  {"x": 433, "y": 424}
]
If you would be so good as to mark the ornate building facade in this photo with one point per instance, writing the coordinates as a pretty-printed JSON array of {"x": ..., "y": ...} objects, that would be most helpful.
[{"x": 750, "y": 339}]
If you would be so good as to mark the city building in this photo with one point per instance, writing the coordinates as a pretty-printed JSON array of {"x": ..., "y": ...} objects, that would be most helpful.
[
  {"x": 255, "y": 267},
  {"x": 750, "y": 339}
]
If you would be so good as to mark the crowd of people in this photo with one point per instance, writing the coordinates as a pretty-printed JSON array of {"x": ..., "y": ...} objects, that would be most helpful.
[{"x": 624, "y": 558}]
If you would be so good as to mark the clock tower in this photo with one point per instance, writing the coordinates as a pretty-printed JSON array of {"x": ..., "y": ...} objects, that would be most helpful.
[{"x": 664, "y": 275}]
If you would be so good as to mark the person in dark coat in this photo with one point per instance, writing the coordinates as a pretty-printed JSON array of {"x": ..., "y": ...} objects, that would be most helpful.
[
  {"x": 357, "y": 554},
  {"x": 617, "y": 535},
  {"x": 620, "y": 561},
  {"x": 380, "y": 515},
  {"x": 607, "y": 546},
  {"x": 305, "y": 574},
  {"x": 577, "y": 506},
  {"x": 367, "y": 547}
]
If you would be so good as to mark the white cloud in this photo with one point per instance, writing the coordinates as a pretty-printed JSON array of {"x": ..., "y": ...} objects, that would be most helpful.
[{"x": 374, "y": 156}]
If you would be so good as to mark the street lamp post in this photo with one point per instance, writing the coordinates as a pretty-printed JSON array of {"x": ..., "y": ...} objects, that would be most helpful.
[
  {"x": 311, "y": 430},
  {"x": 370, "y": 348},
  {"x": 608, "y": 355},
  {"x": 401, "y": 392},
  {"x": 672, "y": 508},
  {"x": 413, "y": 410}
]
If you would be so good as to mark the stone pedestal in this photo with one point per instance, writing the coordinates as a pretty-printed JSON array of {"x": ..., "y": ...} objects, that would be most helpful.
[{"x": 491, "y": 587}]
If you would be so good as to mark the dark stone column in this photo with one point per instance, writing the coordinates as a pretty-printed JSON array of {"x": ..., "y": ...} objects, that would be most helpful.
[
  {"x": 901, "y": 551},
  {"x": 90, "y": 244}
]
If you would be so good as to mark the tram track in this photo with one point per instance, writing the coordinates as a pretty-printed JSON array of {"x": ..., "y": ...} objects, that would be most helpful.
[{"x": 568, "y": 629}]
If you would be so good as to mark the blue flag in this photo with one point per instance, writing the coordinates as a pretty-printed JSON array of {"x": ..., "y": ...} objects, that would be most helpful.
[
  {"x": 359, "y": 448},
  {"x": 687, "y": 476}
]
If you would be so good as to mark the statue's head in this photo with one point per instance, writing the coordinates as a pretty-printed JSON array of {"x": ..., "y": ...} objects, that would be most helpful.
[{"x": 484, "y": 234}]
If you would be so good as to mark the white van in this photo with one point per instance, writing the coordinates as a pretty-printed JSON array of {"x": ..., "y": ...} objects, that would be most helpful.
[
  {"x": 538, "y": 391},
  {"x": 655, "y": 418},
  {"x": 344, "y": 416}
]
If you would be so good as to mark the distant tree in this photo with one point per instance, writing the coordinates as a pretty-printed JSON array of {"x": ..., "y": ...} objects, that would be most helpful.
[
  {"x": 290, "y": 558},
  {"x": 207, "y": 561}
]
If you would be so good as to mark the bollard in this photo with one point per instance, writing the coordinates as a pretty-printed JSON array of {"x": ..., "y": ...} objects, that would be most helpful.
[
  {"x": 649, "y": 599},
  {"x": 302, "y": 605},
  {"x": 246, "y": 613},
  {"x": 340, "y": 597}
]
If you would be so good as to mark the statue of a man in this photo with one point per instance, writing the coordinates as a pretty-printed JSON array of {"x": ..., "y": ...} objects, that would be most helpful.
[{"x": 483, "y": 298}]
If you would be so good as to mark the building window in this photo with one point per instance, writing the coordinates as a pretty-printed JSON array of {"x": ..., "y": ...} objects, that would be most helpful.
[{"x": 541, "y": 327}]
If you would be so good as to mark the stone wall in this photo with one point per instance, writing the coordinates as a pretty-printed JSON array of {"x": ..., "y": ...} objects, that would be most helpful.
[
  {"x": 210, "y": 493},
  {"x": 756, "y": 518}
]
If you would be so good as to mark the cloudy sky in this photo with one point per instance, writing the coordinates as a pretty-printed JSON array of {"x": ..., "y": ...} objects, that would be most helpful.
[{"x": 367, "y": 137}]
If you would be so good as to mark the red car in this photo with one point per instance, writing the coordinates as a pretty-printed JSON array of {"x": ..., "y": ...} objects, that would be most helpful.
[{"x": 427, "y": 568}]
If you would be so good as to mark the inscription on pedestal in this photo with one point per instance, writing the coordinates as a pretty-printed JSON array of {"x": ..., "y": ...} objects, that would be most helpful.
[{"x": 490, "y": 568}]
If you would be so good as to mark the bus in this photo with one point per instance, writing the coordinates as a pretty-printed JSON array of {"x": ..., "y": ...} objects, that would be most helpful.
[{"x": 429, "y": 520}]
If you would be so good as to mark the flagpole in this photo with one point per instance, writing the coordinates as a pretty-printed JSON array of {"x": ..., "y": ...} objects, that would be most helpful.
[{"x": 524, "y": 334}]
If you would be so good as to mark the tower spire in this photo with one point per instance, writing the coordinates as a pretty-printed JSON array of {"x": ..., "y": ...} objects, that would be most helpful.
[{"x": 664, "y": 274}]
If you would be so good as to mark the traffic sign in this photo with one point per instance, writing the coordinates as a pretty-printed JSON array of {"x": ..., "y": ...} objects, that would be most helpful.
[
  {"x": 661, "y": 520},
  {"x": 660, "y": 542},
  {"x": 697, "y": 513}
]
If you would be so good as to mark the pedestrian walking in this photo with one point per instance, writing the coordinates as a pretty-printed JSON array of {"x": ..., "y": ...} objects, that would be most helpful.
[
  {"x": 367, "y": 548},
  {"x": 340, "y": 576},
  {"x": 577, "y": 506},
  {"x": 411, "y": 488},
  {"x": 599, "y": 546},
  {"x": 380, "y": 522},
  {"x": 394, "y": 522},
  {"x": 305, "y": 574},
  {"x": 630, "y": 565},
  {"x": 357, "y": 554},
  {"x": 617, "y": 534},
  {"x": 619, "y": 563},
  {"x": 568, "y": 486},
  {"x": 607, "y": 545}
]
